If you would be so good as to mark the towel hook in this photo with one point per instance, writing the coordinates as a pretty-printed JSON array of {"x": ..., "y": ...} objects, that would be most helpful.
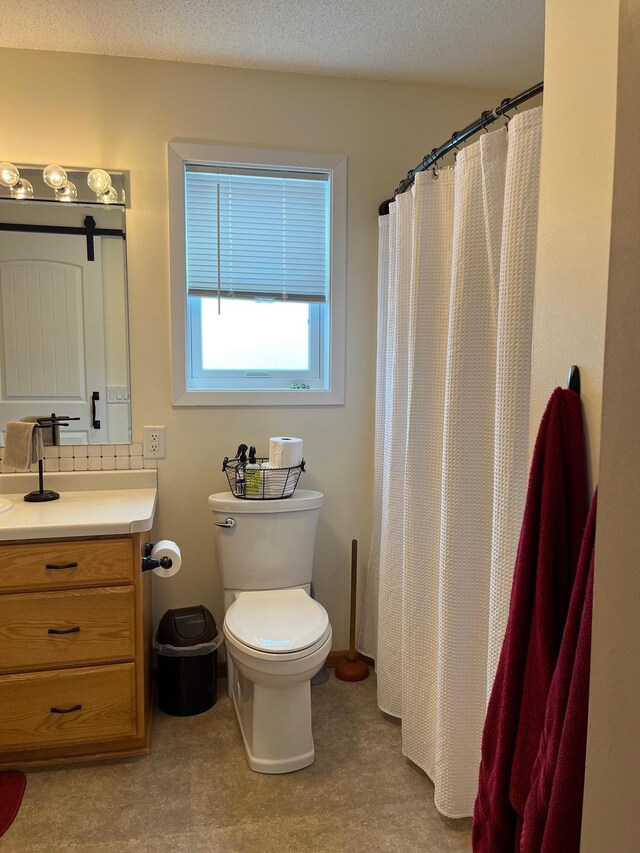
[{"x": 573, "y": 380}]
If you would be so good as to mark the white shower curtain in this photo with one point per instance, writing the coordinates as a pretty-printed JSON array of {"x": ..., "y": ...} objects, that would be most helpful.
[{"x": 455, "y": 302}]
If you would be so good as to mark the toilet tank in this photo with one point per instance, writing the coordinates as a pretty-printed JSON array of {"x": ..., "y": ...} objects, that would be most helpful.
[{"x": 267, "y": 544}]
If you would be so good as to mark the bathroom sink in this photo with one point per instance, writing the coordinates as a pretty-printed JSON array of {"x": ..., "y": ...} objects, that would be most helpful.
[{"x": 5, "y": 505}]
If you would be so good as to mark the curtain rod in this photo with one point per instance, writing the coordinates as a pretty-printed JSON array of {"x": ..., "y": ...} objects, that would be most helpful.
[{"x": 458, "y": 136}]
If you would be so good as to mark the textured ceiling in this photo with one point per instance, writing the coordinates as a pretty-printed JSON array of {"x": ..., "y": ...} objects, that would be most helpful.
[{"x": 455, "y": 42}]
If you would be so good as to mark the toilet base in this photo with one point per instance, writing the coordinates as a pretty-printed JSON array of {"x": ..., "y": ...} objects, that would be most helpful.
[{"x": 275, "y": 724}]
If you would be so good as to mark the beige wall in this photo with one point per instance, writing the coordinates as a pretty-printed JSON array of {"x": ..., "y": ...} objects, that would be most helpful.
[
  {"x": 120, "y": 113},
  {"x": 587, "y": 311},
  {"x": 612, "y": 790},
  {"x": 576, "y": 183}
]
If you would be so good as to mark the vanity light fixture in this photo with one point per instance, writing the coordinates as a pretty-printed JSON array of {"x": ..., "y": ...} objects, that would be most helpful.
[
  {"x": 67, "y": 192},
  {"x": 10, "y": 177},
  {"x": 100, "y": 182},
  {"x": 54, "y": 177},
  {"x": 37, "y": 182},
  {"x": 109, "y": 197},
  {"x": 23, "y": 189}
]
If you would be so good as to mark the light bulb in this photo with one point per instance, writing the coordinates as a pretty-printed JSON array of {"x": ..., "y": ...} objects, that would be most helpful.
[
  {"x": 108, "y": 197},
  {"x": 54, "y": 177},
  {"x": 68, "y": 192},
  {"x": 9, "y": 175},
  {"x": 23, "y": 189},
  {"x": 99, "y": 181}
]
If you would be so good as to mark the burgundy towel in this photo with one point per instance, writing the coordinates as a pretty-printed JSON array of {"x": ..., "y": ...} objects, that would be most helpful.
[
  {"x": 545, "y": 568},
  {"x": 553, "y": 813}
]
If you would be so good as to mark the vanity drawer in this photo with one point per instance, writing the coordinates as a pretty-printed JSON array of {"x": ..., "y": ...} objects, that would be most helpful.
[
  {"x": 99, "y": 703},
  {"x": 54, "y": 629},
  {"x": 66, "y": 564}
]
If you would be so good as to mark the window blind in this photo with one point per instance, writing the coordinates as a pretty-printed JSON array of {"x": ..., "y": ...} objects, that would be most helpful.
[{"x": 274, "y": 234}]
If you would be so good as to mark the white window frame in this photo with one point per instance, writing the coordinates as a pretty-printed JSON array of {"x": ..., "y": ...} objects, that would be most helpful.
[
  {"x": 230, "y": 379},
  {"x": 182, "y": 153}
]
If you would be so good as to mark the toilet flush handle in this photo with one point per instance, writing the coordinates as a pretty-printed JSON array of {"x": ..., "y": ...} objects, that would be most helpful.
[{"x": 229, "y": 522}]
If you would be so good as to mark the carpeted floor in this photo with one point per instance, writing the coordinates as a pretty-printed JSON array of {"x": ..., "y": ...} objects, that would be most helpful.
[{"x": 195, "y": 792}]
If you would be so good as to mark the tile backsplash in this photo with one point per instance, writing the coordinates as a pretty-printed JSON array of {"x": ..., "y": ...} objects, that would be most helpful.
[{"x": 91, "y": 457}]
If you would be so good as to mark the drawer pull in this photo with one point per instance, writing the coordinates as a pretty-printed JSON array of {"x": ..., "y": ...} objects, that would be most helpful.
[
  {"x": 65, "y": 710},
  {"x": 65, "y": 566},
  {"x": 64, "y": 630}
]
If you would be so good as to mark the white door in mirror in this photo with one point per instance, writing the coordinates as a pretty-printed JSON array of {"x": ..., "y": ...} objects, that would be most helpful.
[
  {"x": 52, "y": 339},
  {"x": 155, "y": 442}
]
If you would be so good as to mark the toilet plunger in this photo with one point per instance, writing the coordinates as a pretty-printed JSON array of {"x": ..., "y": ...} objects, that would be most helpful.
[{"x": 352, "y": 669}]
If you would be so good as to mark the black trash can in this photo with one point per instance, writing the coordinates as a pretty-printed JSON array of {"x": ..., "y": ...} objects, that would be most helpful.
[{"x": 186, "y": 641}]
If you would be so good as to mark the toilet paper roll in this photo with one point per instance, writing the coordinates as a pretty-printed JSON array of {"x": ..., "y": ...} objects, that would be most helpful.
[
  {"x": 167, "y": 548},
  {"x": 285, "y": 451}
]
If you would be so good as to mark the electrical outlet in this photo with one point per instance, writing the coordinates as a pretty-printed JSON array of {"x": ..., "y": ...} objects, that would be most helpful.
[{"x": 155, "y": 442}]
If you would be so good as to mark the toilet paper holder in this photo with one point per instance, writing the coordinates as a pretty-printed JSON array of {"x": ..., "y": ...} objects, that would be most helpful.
[{"x": 149, "y": 563}]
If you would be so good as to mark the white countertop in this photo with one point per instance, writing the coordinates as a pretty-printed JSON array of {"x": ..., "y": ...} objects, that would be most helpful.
[{"x": 90, "y": 504}]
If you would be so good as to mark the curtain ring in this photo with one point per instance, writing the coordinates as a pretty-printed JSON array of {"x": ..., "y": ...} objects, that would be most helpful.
[
  {"x": 454, "y": 142},
  {"x": 433, "y": 165},
  {"x": 505, "y": 115},
  {"x": 483, "y": 118}
]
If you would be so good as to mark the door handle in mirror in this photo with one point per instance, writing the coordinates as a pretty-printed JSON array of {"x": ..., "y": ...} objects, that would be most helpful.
[{"x": 95, "y": 396}]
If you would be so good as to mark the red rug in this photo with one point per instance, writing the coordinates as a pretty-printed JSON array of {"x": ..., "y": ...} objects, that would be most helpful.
[{"x": 12, "y": 785}]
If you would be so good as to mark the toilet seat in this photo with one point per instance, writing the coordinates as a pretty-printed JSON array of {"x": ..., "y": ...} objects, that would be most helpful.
[
  {"x": 276, "y": 659},
  {"x": 285, "y": 622}
]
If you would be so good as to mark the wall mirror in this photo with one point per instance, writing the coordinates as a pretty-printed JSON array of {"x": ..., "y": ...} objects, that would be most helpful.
[{"x": 64, "y": 343}]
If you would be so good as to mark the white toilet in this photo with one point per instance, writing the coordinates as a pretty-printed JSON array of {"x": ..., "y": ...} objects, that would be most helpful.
[{"x": 277, "y": 636}]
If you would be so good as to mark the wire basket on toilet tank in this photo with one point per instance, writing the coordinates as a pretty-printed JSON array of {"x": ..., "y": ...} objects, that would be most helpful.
[{"x": 250, "y": 481}]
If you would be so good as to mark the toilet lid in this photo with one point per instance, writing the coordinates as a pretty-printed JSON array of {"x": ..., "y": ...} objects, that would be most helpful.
[{"x": 285, "y": 620}]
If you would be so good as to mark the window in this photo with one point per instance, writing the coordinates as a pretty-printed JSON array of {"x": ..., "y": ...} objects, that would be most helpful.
[{"x": 258, "y": 279}]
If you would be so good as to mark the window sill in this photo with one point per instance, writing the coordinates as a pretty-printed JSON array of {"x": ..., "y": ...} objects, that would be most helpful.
[{"x": 285, "y": 397}]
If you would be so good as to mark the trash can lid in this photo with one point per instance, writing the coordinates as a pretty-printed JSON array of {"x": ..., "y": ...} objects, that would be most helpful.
[{"x": 187, "y": 626}]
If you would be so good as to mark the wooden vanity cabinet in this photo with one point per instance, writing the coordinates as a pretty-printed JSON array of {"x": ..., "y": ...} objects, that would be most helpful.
[{"x": 75, "y": 634}]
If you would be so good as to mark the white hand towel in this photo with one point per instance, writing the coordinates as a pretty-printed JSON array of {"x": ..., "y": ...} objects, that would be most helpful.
[{"x": 23, "y": 445}]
